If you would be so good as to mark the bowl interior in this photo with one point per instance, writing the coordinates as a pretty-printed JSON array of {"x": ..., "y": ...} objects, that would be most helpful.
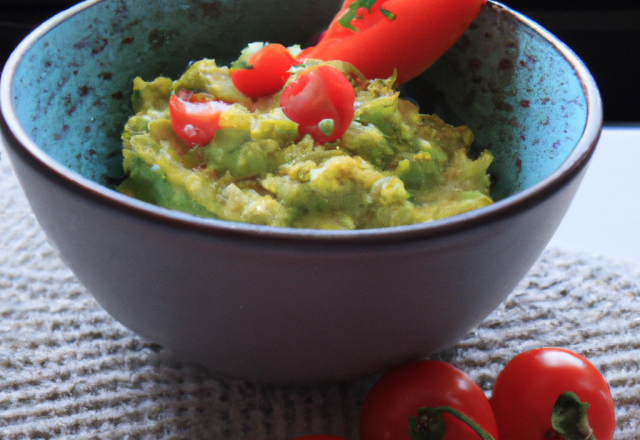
[
  {"x": 516, "y": 90},
  {"x": 506, "y": 81}
]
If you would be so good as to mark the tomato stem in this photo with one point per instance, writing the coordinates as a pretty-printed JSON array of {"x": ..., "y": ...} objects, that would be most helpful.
[
  {"x": 569, "y": 418},
  {"x": 429, "y": 425}
]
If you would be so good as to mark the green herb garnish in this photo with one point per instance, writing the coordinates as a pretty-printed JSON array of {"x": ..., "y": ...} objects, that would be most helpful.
[{"x": 352, "y": 13}]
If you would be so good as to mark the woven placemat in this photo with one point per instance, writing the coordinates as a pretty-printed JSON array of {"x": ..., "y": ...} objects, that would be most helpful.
[{"x": 69, "y": 370}]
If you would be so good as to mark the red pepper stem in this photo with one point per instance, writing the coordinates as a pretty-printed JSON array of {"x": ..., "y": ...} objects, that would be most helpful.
[{"x": 430, "y": 426}]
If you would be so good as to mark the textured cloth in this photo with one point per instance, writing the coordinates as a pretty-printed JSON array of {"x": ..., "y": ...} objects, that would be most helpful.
[{"x": 69, "y": 370}]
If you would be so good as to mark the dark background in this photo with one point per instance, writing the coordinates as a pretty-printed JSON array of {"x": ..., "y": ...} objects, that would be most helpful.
[{"x": 605, "y": 34}]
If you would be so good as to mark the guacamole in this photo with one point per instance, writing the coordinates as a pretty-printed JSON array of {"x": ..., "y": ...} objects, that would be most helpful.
[{"x": 393, "y": 166}]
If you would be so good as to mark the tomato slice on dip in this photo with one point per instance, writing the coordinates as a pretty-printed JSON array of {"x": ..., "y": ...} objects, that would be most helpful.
[
  {"x": 266, "y": 73},
  {"x": 195, "y": 117},
  {"x": 320, "y": 100}
]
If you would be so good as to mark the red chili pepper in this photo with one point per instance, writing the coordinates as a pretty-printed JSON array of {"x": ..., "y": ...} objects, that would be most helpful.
[
  {"x": 267, "y": 72},
  {"x": 195, "y": 117},
  {"x": 320, "y": 100},
  {"x": 378, "y": 36}
]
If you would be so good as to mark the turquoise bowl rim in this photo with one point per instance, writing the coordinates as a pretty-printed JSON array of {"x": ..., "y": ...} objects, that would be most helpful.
[{"x": 509, "y": 206}]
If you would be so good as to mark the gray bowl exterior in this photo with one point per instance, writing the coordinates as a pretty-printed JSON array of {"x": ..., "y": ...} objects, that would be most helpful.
[
  {"x": 295, "y": 306},
  {"x": 289, "y": 312}
]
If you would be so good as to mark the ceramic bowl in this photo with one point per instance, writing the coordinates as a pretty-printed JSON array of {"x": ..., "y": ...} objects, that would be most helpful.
[{"x": 275, "y": 304}]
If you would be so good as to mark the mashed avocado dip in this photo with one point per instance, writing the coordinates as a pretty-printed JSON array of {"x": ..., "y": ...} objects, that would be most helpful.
[{"x": 392, "y": 167}]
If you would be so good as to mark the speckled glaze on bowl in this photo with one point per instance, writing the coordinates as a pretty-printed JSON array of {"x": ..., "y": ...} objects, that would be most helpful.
[{"x": 276, "y": 304}]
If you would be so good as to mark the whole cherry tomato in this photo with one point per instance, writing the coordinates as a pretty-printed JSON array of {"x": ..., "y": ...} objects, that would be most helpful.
[
  {"x": 320, "y": 100},
  {"x": 378, "y": 36},
  {"x": 266, "y": 73},
  {"x": 320, "y": 437},
  {"x": 526, "y": 390},
  {"x": 195, "y": 117},
  {"x": 400, "y": 392}
]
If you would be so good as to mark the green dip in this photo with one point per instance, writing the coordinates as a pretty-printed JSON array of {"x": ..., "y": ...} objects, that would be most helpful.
[{"x": 392, "y": 167}]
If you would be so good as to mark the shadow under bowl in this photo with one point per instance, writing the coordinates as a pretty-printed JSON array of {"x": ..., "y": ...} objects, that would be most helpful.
[{"x": 288, "y": 305}]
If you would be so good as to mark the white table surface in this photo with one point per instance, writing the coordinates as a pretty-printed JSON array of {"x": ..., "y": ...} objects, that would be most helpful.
[{"x": 604, "y": 217}]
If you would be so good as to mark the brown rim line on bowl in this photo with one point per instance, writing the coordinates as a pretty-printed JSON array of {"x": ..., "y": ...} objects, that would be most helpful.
[{"x": 496, "y": 245}]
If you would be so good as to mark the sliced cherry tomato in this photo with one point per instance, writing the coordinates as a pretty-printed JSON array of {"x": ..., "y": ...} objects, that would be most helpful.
[
  {"x": 320, "y": 100},
  {"x": 382, "y": 35},
  {"x": 400, "y": 392},
  {"x": 267, "y": 73},
  {"x": 195, "y": 117},
  {"x": 526, "y": 390}
]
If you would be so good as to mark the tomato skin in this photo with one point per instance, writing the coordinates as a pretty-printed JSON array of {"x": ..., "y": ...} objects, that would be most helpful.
[
  {"x": 195, "y": 118},
  {"x": 420, "y": 33},
  {"x": 527, "y": 389},
  {"x": 318, "y": 93},
  {"x": 268, "y": 72},
  {"x": 401, "y": 391}
]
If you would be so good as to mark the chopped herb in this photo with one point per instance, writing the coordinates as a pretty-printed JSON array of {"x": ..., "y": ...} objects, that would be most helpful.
[
  {"x": 352, "y": 13},
  {"x": 327, "y": 126},
  {"x": 390, "y": 15}
]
